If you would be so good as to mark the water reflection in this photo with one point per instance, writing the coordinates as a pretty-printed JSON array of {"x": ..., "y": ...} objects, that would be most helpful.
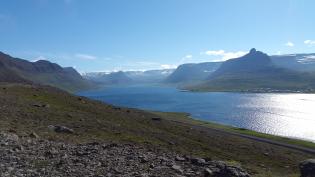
[{"x": 291, "y": 115}]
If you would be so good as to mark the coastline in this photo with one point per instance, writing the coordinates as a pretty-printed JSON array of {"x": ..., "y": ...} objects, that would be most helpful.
[{"x": 186, "y": 118}]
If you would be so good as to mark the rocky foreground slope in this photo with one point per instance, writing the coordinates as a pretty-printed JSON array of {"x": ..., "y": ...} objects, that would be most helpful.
[{"x": 29, "y": 156}]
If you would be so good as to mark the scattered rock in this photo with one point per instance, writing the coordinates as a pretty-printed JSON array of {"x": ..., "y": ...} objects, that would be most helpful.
[
  {"x": 60, "y": 129},
  {"x": 266, "y": 154},
  {"x": 69, "y": 115},
  {"x": 208, "y": 172},
  {"x": 40, "y": 157},
  {"x": 198, "y": 161},
  {"x": 143, "y": 159},
  {"x": 34, "y": 135},
  {"x": 307, "y": 168},
  {"x": 39, "y": 105},
  {"x": 220, "y": 169},
  {"x": 177, "y": 168},
  {"x": 181, "y": 159},
  {"x": 171, "y": 143},
  {"x": 156, "y": 118}
]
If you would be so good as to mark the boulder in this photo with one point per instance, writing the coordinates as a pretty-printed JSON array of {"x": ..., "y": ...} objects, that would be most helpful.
[{"x": 307, "y": 168}]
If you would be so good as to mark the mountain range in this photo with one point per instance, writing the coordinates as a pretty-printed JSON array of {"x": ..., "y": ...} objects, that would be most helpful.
[
  {"x": 192, "y": 72},
  {"x": 297, "y": 62},
  {"x": 15, "y": 70},
  {"x": 256, "y": 71},
  {"x": 113, "y": 78},
  {"x": 129, "y": 77}
]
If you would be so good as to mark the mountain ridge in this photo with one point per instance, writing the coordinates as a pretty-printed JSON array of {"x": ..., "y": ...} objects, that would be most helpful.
[{"x": 40, "y": 72}]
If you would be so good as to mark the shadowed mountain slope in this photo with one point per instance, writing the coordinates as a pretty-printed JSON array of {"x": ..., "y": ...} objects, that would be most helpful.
[{"x": 41, "y": 72}]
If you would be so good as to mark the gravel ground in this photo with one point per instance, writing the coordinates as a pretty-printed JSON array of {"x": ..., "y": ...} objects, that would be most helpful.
[{"x": 32, "y": 156}]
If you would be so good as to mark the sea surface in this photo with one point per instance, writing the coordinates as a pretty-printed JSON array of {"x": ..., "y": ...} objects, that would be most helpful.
[{"x": 290, "y": 115}]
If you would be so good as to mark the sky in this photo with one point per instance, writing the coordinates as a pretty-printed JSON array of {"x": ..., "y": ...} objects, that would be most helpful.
[{"x": 111, "y": 35}]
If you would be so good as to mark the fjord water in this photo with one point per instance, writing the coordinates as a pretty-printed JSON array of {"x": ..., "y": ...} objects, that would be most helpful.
[{"x": 290, "y": 115}]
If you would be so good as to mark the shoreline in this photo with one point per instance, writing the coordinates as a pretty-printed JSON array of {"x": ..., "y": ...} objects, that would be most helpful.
[{"x": 297, "y": 144}]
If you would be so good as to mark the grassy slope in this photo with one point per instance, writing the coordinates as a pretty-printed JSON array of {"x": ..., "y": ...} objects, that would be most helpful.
[{"x": 94, "y": 121}]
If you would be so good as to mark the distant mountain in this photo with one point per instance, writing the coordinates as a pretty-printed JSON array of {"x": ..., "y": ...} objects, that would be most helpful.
[
  {"x": 188, "y": 73},
  {"x": 42, "y": 72},
  {"x": 150, "y": 76},
  {"x": 254, "y": 61},
  {"x": 109, "y": 78},
  {"x": 298, "y": 62},
  {"x": 129, "y": 77},
  {"x": 256, "y": 72}
]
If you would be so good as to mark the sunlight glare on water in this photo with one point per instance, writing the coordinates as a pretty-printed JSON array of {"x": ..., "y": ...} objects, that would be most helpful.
[{"x": 291, "y": 115}]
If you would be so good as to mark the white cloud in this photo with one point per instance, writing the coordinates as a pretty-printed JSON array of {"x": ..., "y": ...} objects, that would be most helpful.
[
  {"x": 85, "y": 56},
  {"x": 188, "y": 56},
  {"x": 39, "y": 58},
  {"x": 186, "y": 59},
  {"x": 215, "y": 52},
  {"x": 154, "y": 65},
  {"x": 289, "y": 44},
  {"x": 147, "y": 63},
  {"x": 309, "y": 42},
  {"x": 224, "y": 55},
  {"x": 166, "y": 66}
]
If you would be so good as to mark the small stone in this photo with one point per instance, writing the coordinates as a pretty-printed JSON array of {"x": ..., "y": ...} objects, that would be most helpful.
[
  {"x": 143, "y": 159},
  {"x": 156, "y": 118},
  {"x": 60, "y": 129},
  {"x": 177, "y": 168},
  {"x": 198, "y": 161},
  {"x": 181, "y": 159},
  {"x": 34, "y": 135},
  {"x": 208, "y": 172},
  {"x": 152, "y": 165}
]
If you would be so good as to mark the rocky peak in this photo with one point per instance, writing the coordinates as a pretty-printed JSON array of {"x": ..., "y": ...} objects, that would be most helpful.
[{"x": 253, "y": 50}]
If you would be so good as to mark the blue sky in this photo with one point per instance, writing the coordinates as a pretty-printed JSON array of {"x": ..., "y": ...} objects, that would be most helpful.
[{"x": 106, "y": 35}]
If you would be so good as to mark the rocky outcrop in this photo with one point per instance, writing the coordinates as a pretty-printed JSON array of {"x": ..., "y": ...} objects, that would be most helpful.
[
  {"x": 307, "y": 168},
  {"x": 28, "y": 156}
]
